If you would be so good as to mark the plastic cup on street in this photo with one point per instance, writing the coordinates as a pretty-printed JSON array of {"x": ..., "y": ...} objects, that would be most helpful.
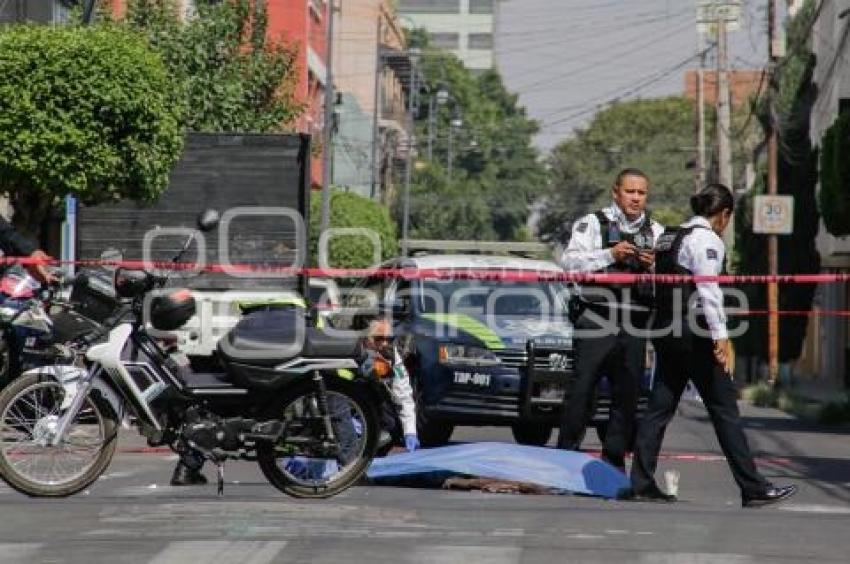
[{"x": 671, "y": 479}]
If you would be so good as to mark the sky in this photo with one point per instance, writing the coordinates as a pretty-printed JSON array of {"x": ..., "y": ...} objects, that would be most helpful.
[{"x": 565, "y": 58}]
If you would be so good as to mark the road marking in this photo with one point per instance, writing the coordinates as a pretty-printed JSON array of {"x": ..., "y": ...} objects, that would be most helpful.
[
  {"x": 465, "y": 555},
  {"x": 212, "y": 552},
  {"x": 694, "y": 558},
  {"x": 14, "y": 552},
  {"x": 826, "y": 509}
]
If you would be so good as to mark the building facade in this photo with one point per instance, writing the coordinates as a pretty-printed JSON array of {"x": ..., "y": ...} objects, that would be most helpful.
[
  {"x": 464, "y": 27},
  {"x": 372, "y": 82}
]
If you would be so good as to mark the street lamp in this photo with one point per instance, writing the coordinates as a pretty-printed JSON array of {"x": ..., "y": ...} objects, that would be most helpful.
[
  {"x": 441, "y": 98},
  {"x": 456, "y": 123}
]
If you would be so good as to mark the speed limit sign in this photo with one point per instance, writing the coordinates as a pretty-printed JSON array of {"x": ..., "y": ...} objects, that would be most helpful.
[{"x": 773, "y": 215}]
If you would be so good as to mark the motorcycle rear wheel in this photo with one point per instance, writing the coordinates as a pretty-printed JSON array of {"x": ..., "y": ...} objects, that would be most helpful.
[
  {"x": 30, "y": 408},
  {"x": 350, "y": 409}
]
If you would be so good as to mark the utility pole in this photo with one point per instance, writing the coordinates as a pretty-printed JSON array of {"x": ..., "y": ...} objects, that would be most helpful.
[
  {"x": 327, "y": 153},
  {"x": 379, "y": 67},
  {"x": 724, "y": 124},
  {"x": 412, "y": 104},
  {"x": 700, "y": 177},
  {"x": 772, "y": 185}
]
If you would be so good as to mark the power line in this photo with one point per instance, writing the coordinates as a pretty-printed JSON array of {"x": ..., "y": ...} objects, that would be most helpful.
[{"x": 634, "y": 90}]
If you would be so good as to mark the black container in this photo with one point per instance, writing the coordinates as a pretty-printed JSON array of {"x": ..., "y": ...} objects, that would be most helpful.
[
  {"x": 93, "y": 295},
  {"x": 171, "y": 311}
]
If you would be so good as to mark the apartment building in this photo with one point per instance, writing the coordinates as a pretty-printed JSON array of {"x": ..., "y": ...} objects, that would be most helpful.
[{"x": 464, "y": 27}]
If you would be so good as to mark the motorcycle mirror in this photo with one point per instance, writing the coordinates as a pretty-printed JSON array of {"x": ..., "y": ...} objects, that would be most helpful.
[
  {"x": 208, "y": 220},
  {"x": 111, "y": 257}
]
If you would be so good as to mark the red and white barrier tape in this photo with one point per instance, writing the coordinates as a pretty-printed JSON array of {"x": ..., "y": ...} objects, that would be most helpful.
[{"x": 504, "y": 274}]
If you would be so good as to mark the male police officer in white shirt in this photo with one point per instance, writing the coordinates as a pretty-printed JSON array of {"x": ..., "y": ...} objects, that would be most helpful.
[
  {"x": 696, "y": 347},
  {"x": 616, "y": 239}
]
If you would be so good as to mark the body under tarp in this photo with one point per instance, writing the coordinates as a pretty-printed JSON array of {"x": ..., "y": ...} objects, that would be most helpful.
[{"x": 560, "y": 470}]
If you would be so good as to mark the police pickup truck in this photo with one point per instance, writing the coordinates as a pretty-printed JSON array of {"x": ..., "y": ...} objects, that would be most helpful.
[{"x": 490, "y": 348}]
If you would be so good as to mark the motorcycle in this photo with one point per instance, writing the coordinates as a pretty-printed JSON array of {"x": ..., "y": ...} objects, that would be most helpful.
[
  {"x": 290, "y": 398},
  {"x": 29, "y": 337}
]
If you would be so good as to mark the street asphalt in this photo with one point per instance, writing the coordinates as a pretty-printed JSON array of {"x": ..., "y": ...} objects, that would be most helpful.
[{"x": 132, "y": 515}]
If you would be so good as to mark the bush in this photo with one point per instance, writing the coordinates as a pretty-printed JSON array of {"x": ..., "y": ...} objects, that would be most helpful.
[
  {"x": 835, "y": 177},
  {"x": 352, "y": 210},
  {"x": 835, "y": 413},
  {"x": 83, "y": 111}
]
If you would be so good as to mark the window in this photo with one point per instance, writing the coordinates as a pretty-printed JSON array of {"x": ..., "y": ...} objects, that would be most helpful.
[
  {"x": 480, "y": 40},
  {"x": 19, "y": 11},
  {"x": 445, "y": 40},
  {"x": 430, "y": 6},
  {"x": 480, "y": 6}
]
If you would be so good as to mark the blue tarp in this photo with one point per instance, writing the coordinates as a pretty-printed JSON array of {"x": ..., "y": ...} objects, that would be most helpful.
[{"x": 567, "y": 471}]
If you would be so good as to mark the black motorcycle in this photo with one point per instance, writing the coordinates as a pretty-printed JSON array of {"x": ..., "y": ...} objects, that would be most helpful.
[{"x": 290, "y": 397}]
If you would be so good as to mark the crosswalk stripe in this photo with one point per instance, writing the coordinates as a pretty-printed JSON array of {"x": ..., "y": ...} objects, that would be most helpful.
[
  {"x": 465, "y": 555},
  {"x": 219, "y": 552}
]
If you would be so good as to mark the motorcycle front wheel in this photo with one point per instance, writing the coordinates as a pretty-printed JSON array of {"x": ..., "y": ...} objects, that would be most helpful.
[
  {"x": 30, "y": 408},
  {"x": 305, "y": 462}
]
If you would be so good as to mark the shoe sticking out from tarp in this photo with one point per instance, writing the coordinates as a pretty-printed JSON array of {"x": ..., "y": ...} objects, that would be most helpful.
[{"x": 558, "y": 470}]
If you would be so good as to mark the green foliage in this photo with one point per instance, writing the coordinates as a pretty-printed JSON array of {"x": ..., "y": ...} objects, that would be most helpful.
[
  {"x": 797, "y": 176},
  {"x": 351, "y": 210},
  {"x": 652, "y": 135},
  {"x": 496, "y": 172},
  {"x": 440, "y": 209},
  {"x": 232, "y": 77},
  {"x": 83, "y": 111},
  {"x": 835, "y": 412},
  {"x": 835, "y": 177}
]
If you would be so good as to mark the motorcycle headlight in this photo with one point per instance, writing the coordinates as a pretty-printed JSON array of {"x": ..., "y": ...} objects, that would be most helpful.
[{"x": 467, "y": 354}]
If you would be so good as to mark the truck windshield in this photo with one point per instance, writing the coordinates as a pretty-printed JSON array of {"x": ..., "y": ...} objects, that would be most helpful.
[{"x": 491, "y": 297}]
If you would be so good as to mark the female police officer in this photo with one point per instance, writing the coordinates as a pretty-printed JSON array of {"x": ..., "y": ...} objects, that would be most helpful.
[{"x": 697, "y": 352}]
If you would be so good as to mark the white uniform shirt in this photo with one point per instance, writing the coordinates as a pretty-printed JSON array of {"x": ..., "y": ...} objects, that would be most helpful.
[
  {"x": 402, "y": 394},
  {"x": 702, "y": 252},
  {"x": 585, "y": 253}
]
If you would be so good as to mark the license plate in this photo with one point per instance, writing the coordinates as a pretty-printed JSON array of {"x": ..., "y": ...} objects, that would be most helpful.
[{"x": 472, "y": 379}]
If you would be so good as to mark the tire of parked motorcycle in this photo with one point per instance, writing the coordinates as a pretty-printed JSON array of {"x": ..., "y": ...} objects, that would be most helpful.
[
  {"x": 530, "y": 434},
  {"x": 62, "y": 489},
  {"x": 5, "y": 362},
  {"x": 267, "y": 456}
]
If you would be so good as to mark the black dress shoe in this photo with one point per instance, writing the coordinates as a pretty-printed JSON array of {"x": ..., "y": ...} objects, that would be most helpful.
[
  {"x": 768, "y": 496},
  {"x": 185, "y": 476},
  {"x": 652, "y": 494}
]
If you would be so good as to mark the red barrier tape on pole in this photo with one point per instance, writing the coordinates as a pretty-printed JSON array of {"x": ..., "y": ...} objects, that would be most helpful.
[{"x": 505, "y": 274}]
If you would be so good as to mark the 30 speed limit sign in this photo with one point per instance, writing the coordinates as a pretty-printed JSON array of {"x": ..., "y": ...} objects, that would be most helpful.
[{"x": 773, "y": 215}]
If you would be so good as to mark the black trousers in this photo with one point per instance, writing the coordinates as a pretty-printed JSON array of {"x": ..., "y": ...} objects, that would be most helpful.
[
  {"x": 623, "y": 354},
  {"x": 692, "y": 357}
]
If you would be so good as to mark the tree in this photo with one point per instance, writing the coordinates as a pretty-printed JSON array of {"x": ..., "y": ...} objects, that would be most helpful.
[
  {"x": 653, "y": 135},
  {"x": 793, "y": 100},
  {"x": 440, "y": 209},
  {"x": 835, "y": 177},
  {"x": 83, "y": 111},
  {"x": 232, "y": 76},
  {"x": 496, "y": 172},
  {"x": 351, "y": 210}
]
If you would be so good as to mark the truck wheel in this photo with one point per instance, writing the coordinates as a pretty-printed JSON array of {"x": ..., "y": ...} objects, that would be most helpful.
[{"x": 532, "y": 435}]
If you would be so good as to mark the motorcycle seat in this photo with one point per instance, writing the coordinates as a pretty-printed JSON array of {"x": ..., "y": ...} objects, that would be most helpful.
[{"x": 271, "y": 337}]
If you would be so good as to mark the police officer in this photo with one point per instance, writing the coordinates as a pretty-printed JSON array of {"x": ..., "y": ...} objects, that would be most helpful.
[
  {"x": 616, "y": 239},
  {"x": 699, "y": 351}
]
